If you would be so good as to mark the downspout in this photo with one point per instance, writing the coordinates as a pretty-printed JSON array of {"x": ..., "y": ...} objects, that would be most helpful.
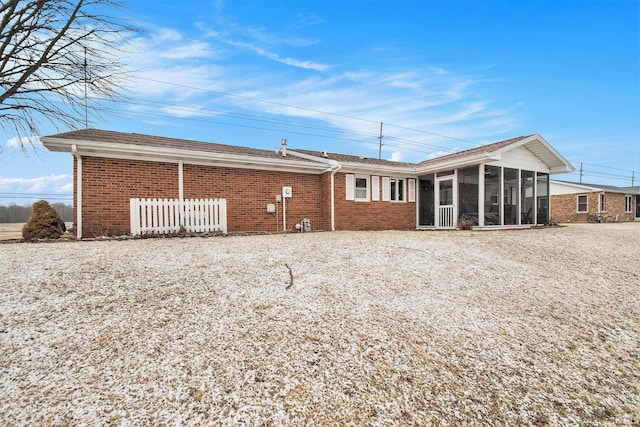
[
  {"x": 74, "y": 151},
  {"x": 181, "y": 192},
  {"x": 333, "y": 195}
]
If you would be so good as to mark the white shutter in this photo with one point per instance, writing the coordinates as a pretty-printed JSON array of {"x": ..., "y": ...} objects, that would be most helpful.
[
  {"x": 351, "y": 186},
  {"x": 412, "y": 190},
  {"x": 386, "y": 189},
  {"x": 375, "y": 188}
]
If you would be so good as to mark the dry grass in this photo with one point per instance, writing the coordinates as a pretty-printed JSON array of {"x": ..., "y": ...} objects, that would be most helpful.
[
  {"x": 11, "y": 230},
  {"x": 528, "y": 327}
]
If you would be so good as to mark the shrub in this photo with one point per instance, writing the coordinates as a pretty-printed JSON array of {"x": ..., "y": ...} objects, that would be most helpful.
[
  {"x": 44, "y": 223},
  {"x": 465, "y": 224}
]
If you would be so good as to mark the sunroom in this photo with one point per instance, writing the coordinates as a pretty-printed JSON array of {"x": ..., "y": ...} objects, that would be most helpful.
[{"x": 502, "y": 184}]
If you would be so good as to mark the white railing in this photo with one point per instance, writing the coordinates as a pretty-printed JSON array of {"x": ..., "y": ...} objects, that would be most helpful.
[
  {"x": 445, "y": 215},
  {"x": 163, "y": 216}
]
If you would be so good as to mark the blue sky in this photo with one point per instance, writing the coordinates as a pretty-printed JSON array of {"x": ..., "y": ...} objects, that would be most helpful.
[{"x": 442, "y": 76}]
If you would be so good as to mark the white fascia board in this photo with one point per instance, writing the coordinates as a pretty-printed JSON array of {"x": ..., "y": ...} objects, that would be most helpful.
[
  {"x": 574, "y": 185},
  {"x": 458, "y": 163},
  {"x": 322, "y": 160},
  {"x": 172, "y": 155},
  {"x": 366, "y": 169}
]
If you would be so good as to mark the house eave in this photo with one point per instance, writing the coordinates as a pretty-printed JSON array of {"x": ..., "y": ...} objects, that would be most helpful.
[
  {"x": 457, "y": 163},
  {"x": 373, "y": 169},
  {"x": 173, "y": 155}
]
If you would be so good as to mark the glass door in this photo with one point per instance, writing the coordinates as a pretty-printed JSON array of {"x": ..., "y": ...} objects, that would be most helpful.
[{"x": 446, "y": 208}]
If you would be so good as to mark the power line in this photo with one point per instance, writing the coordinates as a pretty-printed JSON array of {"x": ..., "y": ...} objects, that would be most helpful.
[
  {"x": 258, "y": 100},
  {"x": 403, "y": 141}
]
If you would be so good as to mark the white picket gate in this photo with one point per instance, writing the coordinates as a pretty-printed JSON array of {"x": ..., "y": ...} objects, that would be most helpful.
[
  {"x": 162, "y": 216},
  {"x": 445, "y": 214}
]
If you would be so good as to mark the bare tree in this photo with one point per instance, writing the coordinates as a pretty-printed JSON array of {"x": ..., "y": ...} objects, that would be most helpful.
[{"x": 55, "y": 53}]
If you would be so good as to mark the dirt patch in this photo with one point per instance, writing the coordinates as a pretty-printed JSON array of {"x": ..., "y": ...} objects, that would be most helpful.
[{"x": 521, "y": 327}]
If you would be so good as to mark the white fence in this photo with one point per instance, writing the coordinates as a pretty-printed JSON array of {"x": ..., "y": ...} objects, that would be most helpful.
[
  {"x": 446, "y": 216},
  {"x": 162, "y": 216}
]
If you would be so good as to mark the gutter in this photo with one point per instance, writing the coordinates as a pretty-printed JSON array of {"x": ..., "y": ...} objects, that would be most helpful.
[
  {"x": 139, "y": 152},
  {"x": 74, "y": 151}
]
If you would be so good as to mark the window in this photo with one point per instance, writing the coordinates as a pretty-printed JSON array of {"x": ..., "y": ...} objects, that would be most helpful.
[
  {"x": 583, "y": 203},
  {"x": 603, "y": 202},
  {"x": 628, "y": 203},
  {"x": 357, "y": 187},
  {"x": 397, "y": 189}
]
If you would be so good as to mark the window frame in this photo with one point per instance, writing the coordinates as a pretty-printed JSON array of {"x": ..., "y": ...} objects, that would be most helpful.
[
  {"x": 628, "y": 203},
  {"x": 367, "y": 188},
  {"x": 602, "y": 202},
  {"x": 586, "y": 203},
  {"x": 401, "y": 196}
]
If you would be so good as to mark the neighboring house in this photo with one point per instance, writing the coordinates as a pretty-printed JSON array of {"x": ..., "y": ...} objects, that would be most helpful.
[
  {"x": 505, "y": 183},
  {"x": 573, "y": 202}
]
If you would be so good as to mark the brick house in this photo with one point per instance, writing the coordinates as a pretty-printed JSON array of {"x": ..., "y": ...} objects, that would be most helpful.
[
  {"x": 505, "y": 183},
  {"x": 573, "y": 202}
]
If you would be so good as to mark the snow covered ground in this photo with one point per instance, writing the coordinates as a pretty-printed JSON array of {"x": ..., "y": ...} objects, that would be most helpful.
[{"x": 520, "y": 327}]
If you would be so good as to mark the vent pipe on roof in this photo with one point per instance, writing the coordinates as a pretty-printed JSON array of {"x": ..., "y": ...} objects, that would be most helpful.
[{"x": 284, "y": 147}]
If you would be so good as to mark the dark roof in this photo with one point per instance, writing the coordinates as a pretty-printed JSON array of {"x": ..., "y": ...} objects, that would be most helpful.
[
  {"x": 136, "y": 139},
  {"x": 473, "y": 151},
  {"x": 354, "y": 159},
  {"x": 112, "y": 137}
]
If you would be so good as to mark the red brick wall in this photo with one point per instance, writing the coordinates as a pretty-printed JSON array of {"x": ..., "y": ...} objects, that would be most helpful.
[
  {"x": 615, "y": 207},
  {"x": 107, "y": 185},
  {"x": 564, "y": 207},
  {"x": 249, "y": 191},
  {"x": 352, "y": 215}
]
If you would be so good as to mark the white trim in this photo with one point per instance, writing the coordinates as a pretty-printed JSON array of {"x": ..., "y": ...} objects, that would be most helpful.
[
  {"x": 367, "y": 188},
  {"x": 375, "y": 188},
  {"x": 386, "y": 189},
  {"x": 174, "y": 155},
  {"x": 350, "y": 186},
  {"x": 398, "y": 181},
  {"x": 481, "y": 194},
  {"x": 578, "y": 203},
  {"x": 602, "y": 197},
  {"x": 180, "y": 181},
  {"x": 411, "y": 190},
  {"x": 334, "y": 170},
  {"x": 74, "y": 151}
]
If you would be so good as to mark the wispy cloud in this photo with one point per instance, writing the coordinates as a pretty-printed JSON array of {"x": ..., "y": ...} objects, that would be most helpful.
[
  {"x": 307, "y": 65},
  {"x": 49, "y": 184},
  {"x": 200, "y": 69}
]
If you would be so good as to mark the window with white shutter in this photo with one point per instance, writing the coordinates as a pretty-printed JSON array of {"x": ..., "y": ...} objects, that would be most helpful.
[{"x": 357, "y": 188}]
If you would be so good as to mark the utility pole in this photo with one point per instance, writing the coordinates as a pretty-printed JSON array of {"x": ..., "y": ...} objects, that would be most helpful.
[
  {"x": 380, "y": 143},
  {"x": 580, "y": 172},
  {"x": 633, "y": 177}
]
